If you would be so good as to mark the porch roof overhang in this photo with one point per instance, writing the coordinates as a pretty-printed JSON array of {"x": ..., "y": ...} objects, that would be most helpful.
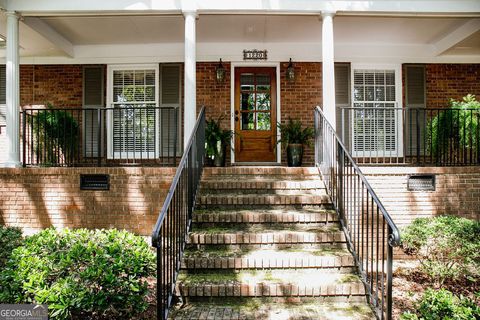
[
  {"x": 378, "y": 7},
  {"x": 140, "y": 31}
]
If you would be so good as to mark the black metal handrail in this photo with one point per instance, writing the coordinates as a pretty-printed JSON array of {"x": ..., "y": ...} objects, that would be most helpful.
[
  {"x": 370, "y": 231},
  {"x": 127, "y": 134},
  {"x": 411, "y": 135},
  {"x": 170, "y": 232}
]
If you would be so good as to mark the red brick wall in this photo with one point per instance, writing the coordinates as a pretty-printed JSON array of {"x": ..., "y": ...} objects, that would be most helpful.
[
  {"x": 60, "y": 85},
  {"x": 34, "y": 198},
  {"x": 299, "y": 98}
]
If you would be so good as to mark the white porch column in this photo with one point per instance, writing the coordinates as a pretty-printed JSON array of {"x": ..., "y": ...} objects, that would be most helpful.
[
  {"x": 328, "y": 67},
  {"x": 190, "y": 75},
  {"x": 12, "y": 91}
]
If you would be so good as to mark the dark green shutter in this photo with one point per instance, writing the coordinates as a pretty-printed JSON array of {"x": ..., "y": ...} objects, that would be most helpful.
[
  {"x": 3, "y": 95},
  {"x": 93, "y": 97},
  {"x": 416, "y": 104},
  {"x": 342, "y": 100},
  {"x": 169, "y": 97}
]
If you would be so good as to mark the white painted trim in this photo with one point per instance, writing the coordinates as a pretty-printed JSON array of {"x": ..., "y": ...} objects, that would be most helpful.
[
  {"x": 110, "y": 69},
  {"x": 50, "y": 34},
  {"x": 398, "y": 101},
  {"x": 233, "y": 65},
  {"x": 457, "y": 35},
  {"x": 88, "y": 7}
]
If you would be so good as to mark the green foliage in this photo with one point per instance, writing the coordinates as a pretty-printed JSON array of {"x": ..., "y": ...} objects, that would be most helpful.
[
  {"x": 443, "y": 305},
  {"x": 292, "y": 132},
  {"x": 456, "y": 127},
  {"x": 80, "y": 273},
  {"x": 446, "y": 247},
  {"x": 216, "y": 137},
  {"x": 10, "y": 238},
  {"x": 56, "y": 134}
]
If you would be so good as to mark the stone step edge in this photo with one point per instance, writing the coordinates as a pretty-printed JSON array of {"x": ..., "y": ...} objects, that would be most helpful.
[
  {"x": 266, "y": 238},
  {"x": 254, "y": 217},
  {"x": 270, "y": 290},
  {"x": 193, "y": 262}
]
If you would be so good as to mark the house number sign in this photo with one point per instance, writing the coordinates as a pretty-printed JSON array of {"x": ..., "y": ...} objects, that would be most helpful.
[{"x": 254, "y": 54}]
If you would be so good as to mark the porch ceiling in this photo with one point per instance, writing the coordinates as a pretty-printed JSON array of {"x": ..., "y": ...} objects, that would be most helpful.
[{"x": 350, "y": 32}]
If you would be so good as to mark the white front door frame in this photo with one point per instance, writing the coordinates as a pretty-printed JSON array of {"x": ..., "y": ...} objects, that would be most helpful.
[{"x": 234, "y": 65}]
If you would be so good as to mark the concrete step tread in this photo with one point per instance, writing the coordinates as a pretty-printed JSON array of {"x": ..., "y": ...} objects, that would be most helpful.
[
  {"x": 246, "y": 228},
  {"x": 274, "y": 215},
  {"x": 269, "y": 309},
  {"x": 298, "y": 277},
  {"x": 276, "y": 193}
]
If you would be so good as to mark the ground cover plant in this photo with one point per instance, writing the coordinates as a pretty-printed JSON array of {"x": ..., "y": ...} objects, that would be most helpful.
[
  {"x": 80, "y": 274},
  {"x": 443, "y": 282}
]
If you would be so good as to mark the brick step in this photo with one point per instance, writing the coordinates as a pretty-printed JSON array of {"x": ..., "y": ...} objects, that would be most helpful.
[
  {"x": 262, "y": 182},
  {"x": 269, "y": 283},
  {"x": 273, "y": 246},
  {"x": 264, "y": 189},
  {"x": 268, "y": 259},
  {"x": 274, "y": 215},
  {"x": 245, "y": 199},
  {"x": 266, "y": 170},
  {"x": 273, "y": 308},
  {"x": 266, "y": 237}
]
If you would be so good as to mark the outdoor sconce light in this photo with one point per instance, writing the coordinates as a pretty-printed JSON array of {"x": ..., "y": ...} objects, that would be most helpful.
[
  {"x": 290, "y": 71},
  {"x": 220, "y": 72}
]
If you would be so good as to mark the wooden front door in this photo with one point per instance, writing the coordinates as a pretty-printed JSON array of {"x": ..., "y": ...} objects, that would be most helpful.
[{"x": 255, "y": 114}]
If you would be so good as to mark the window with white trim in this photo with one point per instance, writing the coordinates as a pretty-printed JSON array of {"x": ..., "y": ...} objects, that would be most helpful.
[
  {"x": 133, "y": 120},
  {"x": 376, "y": 122}
]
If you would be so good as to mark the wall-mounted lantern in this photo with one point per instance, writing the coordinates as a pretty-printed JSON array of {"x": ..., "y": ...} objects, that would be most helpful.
[
  {"x": 290, "y": 71},
  {"x": 220, "y": 72}
]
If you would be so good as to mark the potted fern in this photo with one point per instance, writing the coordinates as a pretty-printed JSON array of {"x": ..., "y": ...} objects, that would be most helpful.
[
  {"x": 294, "y": 138},
  {"x": 216, "y": 142}
]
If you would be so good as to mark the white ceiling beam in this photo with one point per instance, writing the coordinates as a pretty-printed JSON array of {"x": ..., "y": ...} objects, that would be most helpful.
[
  {"x": 380, "y": 7},
  {"x": 451, "y": 39},
  {"x": 50, "y": 34}
]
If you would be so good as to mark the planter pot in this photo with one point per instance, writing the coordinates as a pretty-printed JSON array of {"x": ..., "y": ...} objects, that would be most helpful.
[
  {"x": 294, "y": 154},
  {"x": 220, "y": 155}
]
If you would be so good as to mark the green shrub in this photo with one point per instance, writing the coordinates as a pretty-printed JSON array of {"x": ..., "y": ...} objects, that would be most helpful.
[
  {"x": 443, "y": 305},
  {"x": 446, "y": 247},
  {"x": 456, "y": 127},
  {"x": 10, "y": 238},
  {"x": 80, "y": 273}
]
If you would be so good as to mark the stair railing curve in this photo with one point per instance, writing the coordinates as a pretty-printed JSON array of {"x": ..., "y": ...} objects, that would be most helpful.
[
  {"x": 369, "y": 229},
  {"x": 170, "y": 233}
]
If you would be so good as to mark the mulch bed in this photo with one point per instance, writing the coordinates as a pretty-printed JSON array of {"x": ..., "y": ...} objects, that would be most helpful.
[{"x": 409, "y": 285}]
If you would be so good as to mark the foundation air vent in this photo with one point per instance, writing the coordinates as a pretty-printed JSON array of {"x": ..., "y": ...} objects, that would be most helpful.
[
  {"x": 94, "y": 182},
  {"x": 424, "y": 182}
]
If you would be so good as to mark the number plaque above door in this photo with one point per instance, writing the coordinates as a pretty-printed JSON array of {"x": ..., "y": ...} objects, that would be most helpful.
[{"x": 254, "y": 54}]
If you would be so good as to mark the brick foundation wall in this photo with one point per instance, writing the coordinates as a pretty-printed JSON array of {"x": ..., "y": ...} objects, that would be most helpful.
[
  {"x": 451, "y": 81},
  {"x": 457, "y": 192},
  {"x": 38, "y": 198}
]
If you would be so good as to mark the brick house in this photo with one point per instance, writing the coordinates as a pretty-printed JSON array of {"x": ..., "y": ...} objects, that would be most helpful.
[{"x": 94, "y": 60}]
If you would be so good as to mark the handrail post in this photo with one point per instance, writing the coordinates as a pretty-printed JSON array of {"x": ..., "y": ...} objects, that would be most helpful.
[
  {"x": 389, "y": 276},
  {"x": 99, "y": 137},
  {"x": 340, "y": 184},
  {"x": 24, "y": 140},
  {"x": 417, "y": 122}
]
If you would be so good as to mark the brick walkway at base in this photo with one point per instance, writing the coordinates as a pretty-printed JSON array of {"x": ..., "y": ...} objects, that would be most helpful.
[{"x": 342, "y": 311}]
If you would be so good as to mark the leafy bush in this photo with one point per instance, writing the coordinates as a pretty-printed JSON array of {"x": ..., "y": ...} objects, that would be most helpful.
[
  {"x": 456, "y": 127},
  {"x": 446, "y": 247},
  {"x": 10, "y": 238},
  {"x": 80, "y": 273},
  {"x": 292, "y": 133},
  {"x": 443, "y": 305}
]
